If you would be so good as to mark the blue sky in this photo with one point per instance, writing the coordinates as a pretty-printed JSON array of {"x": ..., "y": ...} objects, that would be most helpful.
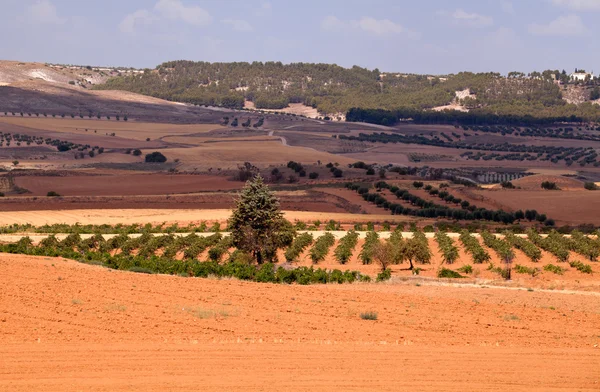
[{"x": 426, "y": 36}]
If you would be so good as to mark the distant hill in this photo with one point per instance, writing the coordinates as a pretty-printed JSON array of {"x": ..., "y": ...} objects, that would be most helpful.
[{"x": 333, "y": 89}]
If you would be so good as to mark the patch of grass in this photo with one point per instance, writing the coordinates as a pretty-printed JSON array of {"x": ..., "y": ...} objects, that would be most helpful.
[
  {"x": 368, "y": 315},
  {"x": 76, "y": 301},
  {"x": 448, "y": 273},
  {"x": 140, "y": 270},
  {"x": 466, "y": 269},
  {"x": 116, "y": 307},
  {"x": 511, "y": 317},
  {"x": 555, "y": 269}
]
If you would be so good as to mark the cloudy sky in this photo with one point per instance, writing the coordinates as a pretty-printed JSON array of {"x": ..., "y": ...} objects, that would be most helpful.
[{"x": 426, "y": 36}]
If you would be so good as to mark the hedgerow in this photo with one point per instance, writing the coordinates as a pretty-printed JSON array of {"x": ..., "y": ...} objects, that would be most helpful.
[
  {"x": 502, "y": 248},
  {"x": 345, "y": 247},
  {"x": 528, "y": 248},
  {"x": 447, "y": 248},
  {"x": 301, "y": 242},
  {"x": 368, "y": 249},
  {"x": 321, "y": 247},
  {"x": 474, "y": 248},
  {"x": 266, "y": 273}
]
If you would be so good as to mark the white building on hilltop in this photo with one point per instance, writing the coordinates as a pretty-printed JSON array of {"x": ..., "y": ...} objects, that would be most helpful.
[{"x": 582, "y": 76}]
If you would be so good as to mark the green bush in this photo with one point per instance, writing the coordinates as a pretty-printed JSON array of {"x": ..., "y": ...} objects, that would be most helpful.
[
  {"x": 474, "y": 248},
  {"x": 466, "y": 269},
  {"x": 345, "y": 247},
  {"x": 584, "y": 268},
  {"x": 448, "y": 273},
  {"x": 555, "y": 269},
  {"x": 447, "y": 248},
  {"x": 384, "y": 275},
  {"x": 321, "y": 247},
  {"x": 368, "y": 249},
  {"x": 521, "y": 269},
  {"x": 301, "y": 242}
]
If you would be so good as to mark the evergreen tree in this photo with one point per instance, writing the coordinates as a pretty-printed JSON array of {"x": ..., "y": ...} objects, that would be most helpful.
[{"x": 257, "y": 224}]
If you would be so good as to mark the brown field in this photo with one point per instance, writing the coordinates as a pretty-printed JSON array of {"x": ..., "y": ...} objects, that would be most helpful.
[
  {"x": 72, "y": 327},
  {"x": 574, "y": 207}
]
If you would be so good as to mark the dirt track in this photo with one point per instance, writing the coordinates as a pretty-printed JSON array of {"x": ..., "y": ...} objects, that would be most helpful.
[{"x": 69, "y": 326}]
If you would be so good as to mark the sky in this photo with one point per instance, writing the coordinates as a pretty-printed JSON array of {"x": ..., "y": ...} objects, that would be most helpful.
[{"x": 426, "y": 36}]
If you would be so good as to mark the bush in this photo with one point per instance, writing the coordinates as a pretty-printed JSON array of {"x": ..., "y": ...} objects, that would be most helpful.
[
  {"x": 155, "y": 157},
  {"x": 300, "y": 243},
  {"x": 321, "y": 247},
  {"x": 447, "y": 248},
  {"x": 520, "y": 269},
  {"x": 313, "y": 175},
  {"x": 368, "y": 249},
  {"x": 555, "y": 269},
  {"x": 384, "y": 275},
  {"x": 448, "y": 273},
  {"x": 551, "y": 186},
  {"x": 368, "y": 316},
  {"x": 578, "y": 265},
  {"x": 466, "y": 269},
  {"x": 590, "y": 186},
  {"x": 346, "y": 246},
  {"x": 52, "y": 194}
]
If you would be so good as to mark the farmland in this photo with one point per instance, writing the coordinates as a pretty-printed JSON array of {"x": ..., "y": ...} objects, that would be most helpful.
[{"x": 472, "y": 249}]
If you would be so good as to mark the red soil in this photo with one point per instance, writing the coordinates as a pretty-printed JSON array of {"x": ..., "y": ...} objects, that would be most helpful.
[{"x": 72, "y": 327}]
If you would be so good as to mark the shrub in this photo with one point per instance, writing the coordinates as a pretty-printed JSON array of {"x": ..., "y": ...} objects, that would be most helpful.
[
  {"x": 590, "y": 186},
  {"x": 473, "y": 247},
  {"x": 301, "y": 242},
  {"x": 384, "y": 275},
  {"x": 466, "y": 269},
  {"x": 520, "y": 269},
  {"x": 313, "y": 175},
  {"x": 368, "y": 316},
  {"x": 531, "y": 250},
  {"x": 555, "y": 269},
  {"x": 155, "y": 157},
  {"x": 368, "y": 250},
  {"x": 585, "y": 268},
  {"x": 52, "y": 194},
  {"x": 346, "y": 246},
  {"x": 447, "y": 248},
  {"x": 548, "y": 185},
  {"x": 448, "y": 273},
  {"x": 321, "y": 247}
]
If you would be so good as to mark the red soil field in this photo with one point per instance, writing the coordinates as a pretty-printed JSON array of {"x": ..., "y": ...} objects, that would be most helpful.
[
  {"x": 72, "y": 327},
  {"x": 126, "y": 184}
]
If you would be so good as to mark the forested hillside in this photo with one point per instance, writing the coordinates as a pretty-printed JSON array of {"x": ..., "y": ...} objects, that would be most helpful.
[{"x": 334, "y": 89}]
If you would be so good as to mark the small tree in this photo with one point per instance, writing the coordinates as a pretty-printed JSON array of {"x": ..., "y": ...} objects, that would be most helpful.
[
  {"x": 383, "y": 254},
  {"x": 257, "y": 224}
]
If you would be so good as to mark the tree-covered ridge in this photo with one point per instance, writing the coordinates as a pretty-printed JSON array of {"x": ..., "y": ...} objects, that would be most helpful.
[{"x": 334, "y": 89}]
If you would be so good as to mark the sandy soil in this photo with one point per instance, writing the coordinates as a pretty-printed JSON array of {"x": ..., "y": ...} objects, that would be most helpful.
[
  {"x": 129, "y": 216},
  {"x": 73, "y": 327}
]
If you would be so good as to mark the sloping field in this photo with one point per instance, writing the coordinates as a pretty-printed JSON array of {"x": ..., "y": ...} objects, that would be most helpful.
[
  {"x": 73, "y": 327},
  {"x": 573, "y": 207},
  {"x": 535, "y": 182}
]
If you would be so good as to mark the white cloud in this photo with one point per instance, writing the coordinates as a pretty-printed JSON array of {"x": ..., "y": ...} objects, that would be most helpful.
[
  {"x": 173, "y": 10},
  {"x": 579, "y": 5},
  {"x": 44, "y": 12},
  {"x": 238, "y": 24},
  {"x": 379, "y": 27},
  {"x": 139, "y": 17},
  {"x": 570, "y": 25},
  {"x": 332, "y": 23},
  {"x": 463, "y": 18}
]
